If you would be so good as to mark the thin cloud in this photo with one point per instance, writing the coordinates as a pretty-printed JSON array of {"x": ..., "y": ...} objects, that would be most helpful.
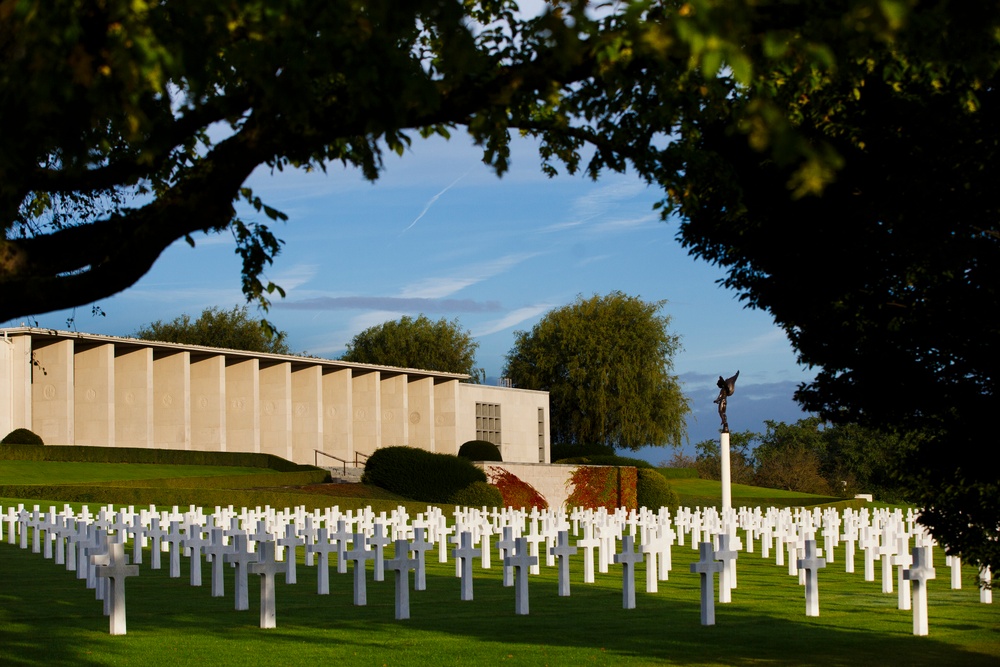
[
  {"x": 440, "y": 287},
  {"x": 394, "y": 304},
  {"x": 430, "y": 203},
  {"x": 512, "y": 319}
]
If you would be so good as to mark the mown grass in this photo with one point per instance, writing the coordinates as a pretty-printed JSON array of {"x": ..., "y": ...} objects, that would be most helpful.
[
  {"x": 48, "y": 617},
  {"x": 65, "y": 472}
]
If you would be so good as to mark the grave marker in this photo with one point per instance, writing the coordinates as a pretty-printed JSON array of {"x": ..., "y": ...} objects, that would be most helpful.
[
  {"x": 810, "y": 566},
  {"x": 563, "y": 550},
  {"x": 115, "y": 572},
  {"x": 401, "y": 564},
  {"x": 628, "y": 558},
  {"x": 358, "y": 555},
  {"x": 267, "y": 567},
  {"x": 521, "y": 561},
  {"x": 918, "y": 574},
  {"x": 465, "y": 555},
  {"x": 707, "y": 566}
]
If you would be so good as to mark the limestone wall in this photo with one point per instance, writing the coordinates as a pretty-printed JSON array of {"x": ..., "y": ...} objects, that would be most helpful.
[{"x": 83, "y": 389}]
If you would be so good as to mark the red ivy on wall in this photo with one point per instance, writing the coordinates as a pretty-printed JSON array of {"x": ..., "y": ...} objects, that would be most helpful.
[
  {"x": 515, "y": 491},
  {"x": 603, "y": 486}
]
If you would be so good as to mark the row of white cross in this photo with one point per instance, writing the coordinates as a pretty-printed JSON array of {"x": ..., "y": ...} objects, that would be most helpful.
[{"x": 264, "y": 541}]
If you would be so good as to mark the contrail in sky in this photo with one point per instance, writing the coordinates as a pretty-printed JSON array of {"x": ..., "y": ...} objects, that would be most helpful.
[{"x": 431, "y": 202}]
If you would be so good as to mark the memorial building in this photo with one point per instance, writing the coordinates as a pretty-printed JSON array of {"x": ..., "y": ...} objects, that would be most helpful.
[{"x": 83, "y": 389}]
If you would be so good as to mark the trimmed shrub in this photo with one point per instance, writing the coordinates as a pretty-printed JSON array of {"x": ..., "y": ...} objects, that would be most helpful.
[
  {"x": 479, "y": 450},
  {"x": 419, "y": 474},
  {"x": 22, "y": 436},
  {"x": 607, "y": 460},
  {"x": 478, "y": 494},
  {"x": 653, "y": 491}
]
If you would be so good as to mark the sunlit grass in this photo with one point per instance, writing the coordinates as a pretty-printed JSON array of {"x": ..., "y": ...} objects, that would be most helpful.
[{"x": 48, "y": 617}]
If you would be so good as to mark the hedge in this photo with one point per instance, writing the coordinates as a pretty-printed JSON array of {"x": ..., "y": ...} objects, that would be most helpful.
[
  {"x": 478, "y": 494},
  {"x": 678, "y": 473},
  {"x": 419, "y": 474},
  {"x": 80, "y": 453}
]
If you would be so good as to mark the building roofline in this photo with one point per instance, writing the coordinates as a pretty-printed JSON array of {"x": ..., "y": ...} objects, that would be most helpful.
[{"x": 46, "y": 333}]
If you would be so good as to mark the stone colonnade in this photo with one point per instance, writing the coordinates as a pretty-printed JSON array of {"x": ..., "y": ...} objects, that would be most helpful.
[{"x": 85, "y": 389}]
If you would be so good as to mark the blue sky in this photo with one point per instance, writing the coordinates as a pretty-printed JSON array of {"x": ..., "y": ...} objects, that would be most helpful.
[{"x": 440, "y": 234}]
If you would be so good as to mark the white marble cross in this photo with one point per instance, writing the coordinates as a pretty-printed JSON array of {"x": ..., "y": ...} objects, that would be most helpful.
[
  {"x": 563, "y": 550},
  {"x": 727, "y": 556},
  {"x": 627, "y": 559},
  {"x": 115, "y": 572},
  {"x": 322, "y": 546},
  {"x": 401, "y": 564},
  {"x": 521, "y": 561},
  {"x": 378, "y": 542},
  {"x": 707, "y": 566},
  {"x": 466, "y": 554},
  {"x": 291, "y": 541},
  {"x": 810, "y": 566},
  {"x": 418, "y": 547},
  {"x": 241, "y": 557},
  {"x": 359, "y": 555},
  {"x": 918, "y": 574},
  {"x": 218, "y": 549},
  {"x": 267, "y": 567},
  {"x": 505, "y": 546},
  {"x": 196, "y": 542}
]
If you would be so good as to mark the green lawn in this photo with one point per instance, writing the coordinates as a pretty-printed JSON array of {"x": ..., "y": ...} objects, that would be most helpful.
[
  {"x": 48, "y": 617},
  {"x": 64, "y": 472}
]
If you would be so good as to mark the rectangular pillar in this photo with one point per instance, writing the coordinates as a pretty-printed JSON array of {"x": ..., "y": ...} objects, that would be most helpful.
[
  {"x": 208, "y": 404},
  {"x": 94, "y": 414},
  {"x": 15, "y": 376},
  {"x": 307, "y": 413},
  {"x": 242, "y": 402},
  {"x": 395, "y": 415},
  {"x": 338, "y": 415},
  {"x": 52, "y": 395},
  {"x": 134, "y": 397},
  {"x": 276, "y": 409},
  {"x": 172, "y": 400},
  {"x": 420, "y": 404},
  {"x": 445, "y": 416},
  {"x": 367, "y": 404}
]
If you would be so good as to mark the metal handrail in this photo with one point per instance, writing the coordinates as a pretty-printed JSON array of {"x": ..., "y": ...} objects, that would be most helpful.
[
  {"x": 356, "y": 455},
  {"x": 316, "y": 459}
]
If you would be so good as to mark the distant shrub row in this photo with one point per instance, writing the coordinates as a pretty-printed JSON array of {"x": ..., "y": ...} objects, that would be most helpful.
[
  {"x": 679, "y": 473},
  {"x": 80, "y": 453},
  {"x": 419, "y": 474}
]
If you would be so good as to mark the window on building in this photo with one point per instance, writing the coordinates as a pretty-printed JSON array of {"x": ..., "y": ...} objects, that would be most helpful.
[
  {"x": 541, "y": 435},
  {"x": 488, "y": 422}
]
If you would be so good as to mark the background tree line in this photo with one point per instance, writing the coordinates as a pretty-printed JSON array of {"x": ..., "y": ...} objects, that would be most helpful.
[{"x": 811, "y": 456}]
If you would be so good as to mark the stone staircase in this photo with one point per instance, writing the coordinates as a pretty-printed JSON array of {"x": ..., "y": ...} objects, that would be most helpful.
[{"x": 338, "y": 476}]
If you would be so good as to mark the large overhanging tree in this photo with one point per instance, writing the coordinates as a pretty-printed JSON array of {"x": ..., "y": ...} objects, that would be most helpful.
[{"x": 837, "y": 157}]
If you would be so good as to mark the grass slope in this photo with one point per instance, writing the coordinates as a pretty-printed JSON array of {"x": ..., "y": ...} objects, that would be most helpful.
[{"x": 48, "y": 617}]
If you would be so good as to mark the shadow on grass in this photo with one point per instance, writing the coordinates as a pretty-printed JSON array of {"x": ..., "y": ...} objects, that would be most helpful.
[{"x": 48, "y": 617}]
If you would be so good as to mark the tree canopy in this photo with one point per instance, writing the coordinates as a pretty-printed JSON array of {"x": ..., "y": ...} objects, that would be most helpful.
[
  {"x": 230, "y": 329},
  {"x": 418, "y": 343},
  {"x": 813, "y": 456},
  {"x": 835, "y": 157},
  {"x": 606, "y": 363}
]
